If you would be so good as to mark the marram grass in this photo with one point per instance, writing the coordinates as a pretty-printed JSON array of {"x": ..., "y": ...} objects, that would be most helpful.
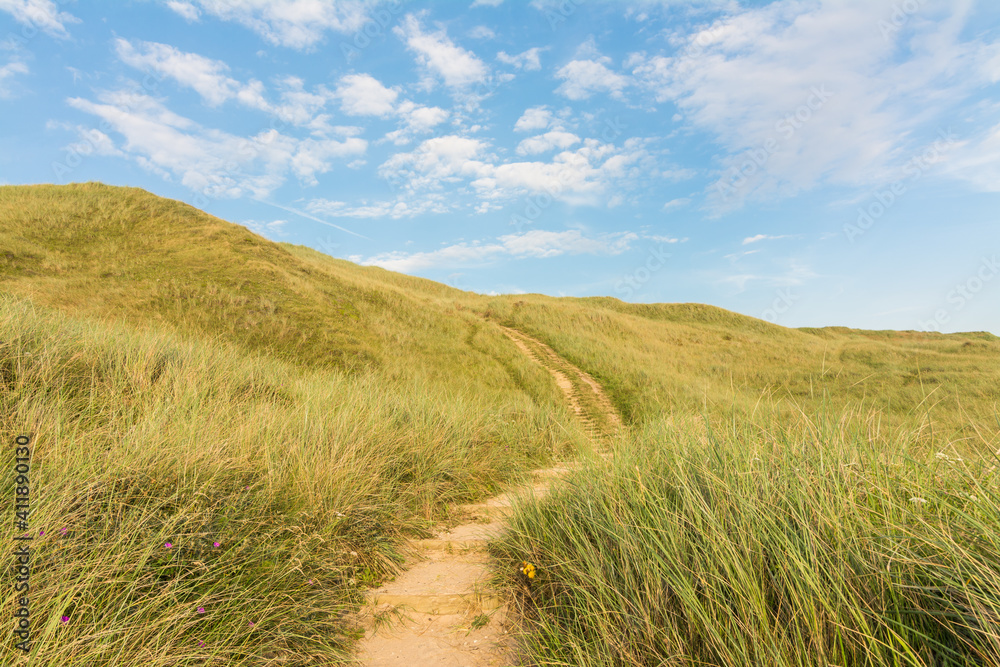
[
  {"x": 194, "y": 505},
  {"x": 750, "y": 547}
]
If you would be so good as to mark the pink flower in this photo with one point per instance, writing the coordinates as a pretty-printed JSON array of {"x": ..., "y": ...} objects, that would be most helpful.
[
  {"x": 41, "y": 532},
  {"x": 215, "y": 544},
  {"x": 251, "y": 624},
  {"x": 64, "y": 620},
  {"x": 64, "y": 530},
  {"x": 201, "y": 643},
  {"x": 201, "y": 610},
  {"x": 168, "y": 545}
]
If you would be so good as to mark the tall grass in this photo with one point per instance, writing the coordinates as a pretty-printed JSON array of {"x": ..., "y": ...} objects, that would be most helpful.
[
  {"x": 281, "y": 492},
  {"x": 682, "y": 359},
  {"x": 763, "y": 544}
]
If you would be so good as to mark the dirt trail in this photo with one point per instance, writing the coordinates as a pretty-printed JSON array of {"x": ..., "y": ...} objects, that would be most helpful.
[{"x": 440, "y": 612}]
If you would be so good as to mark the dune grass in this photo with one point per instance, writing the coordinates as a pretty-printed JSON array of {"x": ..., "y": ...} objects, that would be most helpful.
[
  {"x": 281, "y": 492},
  {"x": 782, "y": 497},
  {"x": 683, "y": 359},
  {"x": 765, "y": 544}
]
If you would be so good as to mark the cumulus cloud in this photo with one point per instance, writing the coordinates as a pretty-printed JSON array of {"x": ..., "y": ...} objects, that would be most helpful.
[
  {"x": 210, "y": 79},
  {"x": 527, "y": 60},
  {"x": 547, "y": 142},
  {"x": 535, "y": 118},
  {"x": 41, "y": 14},
  {"x": 209, "y": 161},
  {"x": 578, "y": 176},
  {"x": 416, "y": 119},
  {"x": 436, "y": 161},
  {"x": 205, "y": 76},
  {"x": 583, "y": 78},
  {"x": 440, "y": 56},
  {"x": 364, "y": 95},
  {"x": 297, "y": 24}
]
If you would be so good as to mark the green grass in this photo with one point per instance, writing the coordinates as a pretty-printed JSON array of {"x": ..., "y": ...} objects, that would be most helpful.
[
  {"x": 141, "y": 439},
  {"x": 681, "y": 359},
  {"x": 187, "y": 381},
  {"x": 765, "y": 544}
]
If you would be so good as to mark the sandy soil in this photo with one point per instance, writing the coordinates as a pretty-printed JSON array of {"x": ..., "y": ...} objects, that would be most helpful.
[{"x": 440, "y": 612}]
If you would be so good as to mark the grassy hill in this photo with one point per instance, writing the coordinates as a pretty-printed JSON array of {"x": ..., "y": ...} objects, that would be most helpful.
[
  {"x": 283, "y": 419},
  {"x": 658, "y": 359}
]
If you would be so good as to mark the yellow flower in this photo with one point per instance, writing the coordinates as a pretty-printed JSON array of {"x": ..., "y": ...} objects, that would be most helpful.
[{"x": 527, "y": 569}]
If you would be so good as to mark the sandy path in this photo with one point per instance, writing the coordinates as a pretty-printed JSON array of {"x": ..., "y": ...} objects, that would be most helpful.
[{"x": 440, "y": 612}]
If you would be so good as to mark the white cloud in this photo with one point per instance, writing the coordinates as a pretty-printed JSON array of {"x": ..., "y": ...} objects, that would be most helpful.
[
  {"x": 538, "y": 244},
  {"x": 577, "y": 176},
  {"x": 457, "y": 67},
  {"x": 482, "y": 32},
  {"x": 209, "y": 161},
  {"x": 487, "y": 3},
  {"x": 763, "y": 237},
  {"x": 380, "y": 209},
  {"x": 547, "y": 142},
  {"x": 364, "y": 95},
  {"x": 205, "y": 76},
  {"x": 527, "y": 60},
  {"x": 298, "y": 106},
  {"x": 267, "y": 229},
  {"x": 977, "y": 161},
  {"x": 94, "y": 142},
  {"x": 583, "y": 78},
  {"x": 541, "y": 243},
  {"x": 675, "y": 203},
  {"x": 535, "y": 118},
  {"x": 663, "y": 239},
  {"x": 41, "y": 14},
  {"x": 209, "y": 79},
  {"x": 792, "y": 107},
  {"x": 297, "y": 24},
  {"x": 422, "y": 119},
  {"x": 8, "y": 71},
  {"x": 185, "y": 9},
  {"x": 416, "y": 120},
  {"x": 435, "y": 161}
]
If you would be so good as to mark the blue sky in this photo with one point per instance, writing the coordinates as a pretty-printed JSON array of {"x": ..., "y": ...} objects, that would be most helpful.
[{"x": 812, "y": 163}]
